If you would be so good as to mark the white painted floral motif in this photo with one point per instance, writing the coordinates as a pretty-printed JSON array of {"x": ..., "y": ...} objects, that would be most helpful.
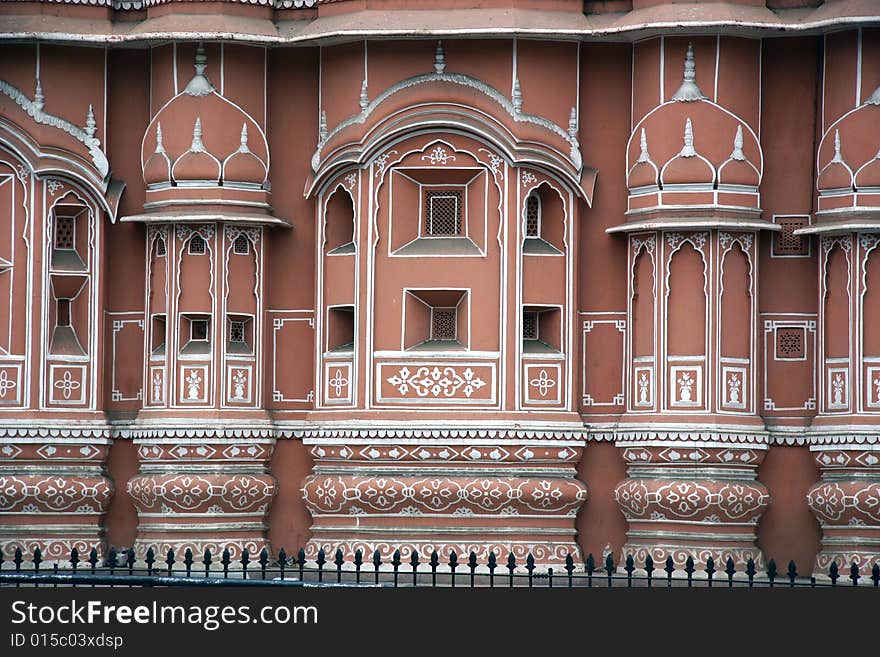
[
  {"x": 193, "y": 385},
  {"x": 495, "y": 161},
  {"x": 436, "y": 381},
  {"x": 528, "y": 178},
  {"x": 338, "y": 383},
  {"x": 67, "y": 384},
  {"x": 440, "y": 155},
  {"x": 382, "y": 162},
  {"x": 685, "y": 387},
  {"x": 644, "y": 388},
  {"x": 239, "y": 379},
  {"x": 351, "y": 179},
  {"x": 157, "y": 387},
  {"x": 543, "y": 383},
  {"x": 733, "y": 387},
  {"x": 839, "y": 387},
  {"x": 53, "y": 186},
  {"x": 5, "y": 383}
]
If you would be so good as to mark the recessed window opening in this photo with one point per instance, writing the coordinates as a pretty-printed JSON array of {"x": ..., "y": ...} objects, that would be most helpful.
[
  {"x": 197, "y": 245},
  {"x": 64, "y": 237},
  {"x": 198, "y": 330},
  {"x": 63, "y": 315},
  {"x": 533, "y": 215},
  {"x": 241, "y": 245},
  {"x": 530, "y": 325},
  {"x": 442, "y": 213},
  {"x": 236, "y": 331},
  {"x": 443, "y": 323},
  {"x": 160, "y": 247}
]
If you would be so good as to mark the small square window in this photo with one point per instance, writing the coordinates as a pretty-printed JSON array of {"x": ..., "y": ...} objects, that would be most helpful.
[
  {"x": 160, "y": 247},
  {"x": 63, "y": 232},
  {"x": 241, "y": 245},
  {"x": 443, "y": 213},
  {"x": 63, "y": 316},
  {"x": 443, "y": 322},
  {"x": 198, "y": 330},
  {"x": 197, "y": 245}
]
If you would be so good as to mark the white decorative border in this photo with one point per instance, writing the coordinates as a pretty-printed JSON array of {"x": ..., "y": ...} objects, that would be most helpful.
[
  {"x": 674, "y": 401},
  {"x": 163, "y": 401},
  {"x": 555, "y": 384},
  {"x": 744, "y": 387},
  {"x": 587, "y": 327},
  {"x": 184, "y": 399},
  {"x": 115, "y": 394},
  {"x": 770, "y": 326},
  {"x": 82, "y": 385},
  {"x": 249, "y": 384},
  {"x": 831, "y": 374},
  {"x": 17, "y": 387},
  {"x": 637, "y": 372},
  {"x": 277, "y": 325},
  {"x": 332, "y": 379},
  {"x": 456, "y": 401}
]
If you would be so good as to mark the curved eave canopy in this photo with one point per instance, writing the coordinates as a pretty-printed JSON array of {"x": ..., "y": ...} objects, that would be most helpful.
[
  {"x": 61, "y": 163},
  {"x": 253, "y": 218},
  {"x": 694, "y": 222}
]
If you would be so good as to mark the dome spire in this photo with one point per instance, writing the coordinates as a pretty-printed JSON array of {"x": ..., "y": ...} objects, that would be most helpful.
[
  {"x": 643, "y": 148},
  {"x": 737, "y": 153},
  {"x": 243, "y": 147},
  {"x": 197, "y": 145},
  {"x": 200, "y": 85},
  {"x": 160, "y": 147},
  {"x": 688, "y": 149},
  {"x": 689, "y": 91}
]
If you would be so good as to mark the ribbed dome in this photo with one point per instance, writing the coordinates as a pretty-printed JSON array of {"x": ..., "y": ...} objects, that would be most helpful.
[
  {"x": 688, "y": 167},
  {"x": 243, "y": 166},
  {"x": 868, "y": 174},
  {"x": 737, "y": 170},
  {"x": 837, "y": 173},
  {"x": 204, "y": 138}
]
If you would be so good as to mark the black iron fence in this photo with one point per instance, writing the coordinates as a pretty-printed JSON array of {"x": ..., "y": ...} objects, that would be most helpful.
[{"x": 122, "y": 569}]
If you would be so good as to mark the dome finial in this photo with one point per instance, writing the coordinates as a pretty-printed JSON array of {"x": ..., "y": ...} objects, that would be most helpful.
[
  {"x": 197, "y": 145},
  {"x": 689, "y": 91},
  {"x": 516, "y": 96},
  {"x": 160, "y": 147},
  {"x": 643, "y": 148},
  {"x": 737, "y": 153},
  {"x": 688, "y": 149},
  {"x": 837, "y": 156},
  {"x": 91, "y": 126},
  {"x": 573, "y": 123},
  {"x": 365, "y": 99},
  {"x": 200, "y": 85},
  {"x": 322, "y": 128},
  {"x": 439, "y": 59},
  {"x": 39, "y": 99},
  {"x": 243, "y": 147}
]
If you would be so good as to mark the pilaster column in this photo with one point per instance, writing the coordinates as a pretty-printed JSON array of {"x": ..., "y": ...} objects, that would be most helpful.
[
  {"x": 479, "y": 496},
  {"x": 202, "y": 493},
  {"x": 846, "y": 502},
  {"x": 692, "y": 499},
  {"x": 54, "y": 490}
]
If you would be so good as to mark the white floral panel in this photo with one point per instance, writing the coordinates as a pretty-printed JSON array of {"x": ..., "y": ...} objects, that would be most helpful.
[
  {"x": 337, "y": 383},
  {"x": 193, "y": 384},
  {"x": 735, "y": 390},
  {"x": 239, "y": 384},
  {"x": 10, "y": 384},
  {"x": 543, "y": 384},
  {"x": 67, "y": 385},
  {"x": 686, "y": 386}
]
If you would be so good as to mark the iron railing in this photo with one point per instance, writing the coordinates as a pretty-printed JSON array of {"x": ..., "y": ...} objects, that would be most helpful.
[{"x": 123, "y": 569}]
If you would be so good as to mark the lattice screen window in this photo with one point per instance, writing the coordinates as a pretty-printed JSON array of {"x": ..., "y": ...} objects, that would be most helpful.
[
  {"x": 197, "y": 245},
  {"x": 786, "y": 243},
  {"x": 160, "y": 247},
  {"x": 530, "y": 325},
  {"x": 241, "y": 245},
  {"x": 236, "y": 331},
  {"x": 443, "y": 321},
  {"x": 64, "y": 232},
  {"x": 790, "y": 343},
  {"x": 443, "y": 213},
  {"x": 533, "y": 216}
]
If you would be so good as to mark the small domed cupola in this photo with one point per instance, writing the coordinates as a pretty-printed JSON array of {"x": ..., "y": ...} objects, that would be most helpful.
[
  {"x": 737, "y": 170},
  {"x": 688, "y": 167},
  {"x": 837, "y": 174},
  {"x": 868, "y": 175},
  {"x": 242, "y": 166},
  {"x": 157, "y": 170},
  {"x": 644, "y": 172},
  {"x": 196, "y": 166}
]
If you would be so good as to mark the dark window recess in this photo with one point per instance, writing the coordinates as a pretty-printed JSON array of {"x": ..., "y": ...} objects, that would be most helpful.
[
  {"x": 786, "y": 243},
  {"x": 241, "y": 245},
  {"x": 63, "y": 312},
  {"x": 443, "y": 213},
  {"x": 63, "y": 232},
  {"x": 160, "y": 247},
  {"x": 197, "y": 245},
  {"x": 533, "y": 216},
  {"x": 530, "y": 325},
  {"x": 198, "y": 329},
  {"x": 443, "y": 324},
  {"x": 236, "y": 331},
  {"x": 789, "y": 343}
]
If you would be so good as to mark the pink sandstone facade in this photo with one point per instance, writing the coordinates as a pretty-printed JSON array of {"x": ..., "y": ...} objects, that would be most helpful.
[{"x": 514, "y": 276}]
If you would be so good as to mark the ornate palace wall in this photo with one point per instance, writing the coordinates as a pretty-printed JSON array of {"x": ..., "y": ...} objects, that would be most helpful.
[{"x": 550, "y": 280}]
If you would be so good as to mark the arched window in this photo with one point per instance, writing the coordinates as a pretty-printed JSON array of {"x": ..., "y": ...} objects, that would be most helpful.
[{"x": 533, "y": 215}]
